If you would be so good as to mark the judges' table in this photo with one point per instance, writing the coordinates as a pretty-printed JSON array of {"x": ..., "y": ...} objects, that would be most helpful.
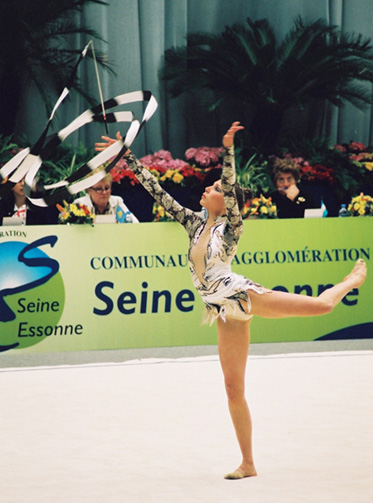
[{"x": 112, "y": 286}]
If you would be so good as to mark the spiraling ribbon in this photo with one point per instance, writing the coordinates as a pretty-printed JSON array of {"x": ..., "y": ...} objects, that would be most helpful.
[{"x": 28, "y": 161}]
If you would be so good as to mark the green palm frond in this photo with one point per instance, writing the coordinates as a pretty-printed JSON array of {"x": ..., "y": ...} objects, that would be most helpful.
[
  {"x": 246, "y": 64},
  {"x": 37, "y": 45}
]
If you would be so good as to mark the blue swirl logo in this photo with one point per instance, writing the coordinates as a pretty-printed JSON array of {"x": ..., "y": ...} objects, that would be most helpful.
[{"x": 32, "y": 294}]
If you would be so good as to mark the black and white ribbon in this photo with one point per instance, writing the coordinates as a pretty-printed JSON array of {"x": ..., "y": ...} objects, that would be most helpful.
[{"x": 28, "y": 162}]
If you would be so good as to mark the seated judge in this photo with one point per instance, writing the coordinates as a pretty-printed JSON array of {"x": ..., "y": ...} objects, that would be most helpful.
[
  {"x": 13, "y": 203},
  {"x": 101, "y": 202},
  {"x": 291, "y": 201}
]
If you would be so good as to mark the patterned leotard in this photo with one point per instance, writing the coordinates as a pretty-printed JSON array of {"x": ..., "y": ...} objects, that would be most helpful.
[{"x": 210, "y": 256}]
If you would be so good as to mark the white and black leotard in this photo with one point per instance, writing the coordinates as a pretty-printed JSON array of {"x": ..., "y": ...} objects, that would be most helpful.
[{"x": 210, "y": 253}]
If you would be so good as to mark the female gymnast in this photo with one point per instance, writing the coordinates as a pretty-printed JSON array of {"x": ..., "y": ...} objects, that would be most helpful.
[{"x": 229, "y": 298}]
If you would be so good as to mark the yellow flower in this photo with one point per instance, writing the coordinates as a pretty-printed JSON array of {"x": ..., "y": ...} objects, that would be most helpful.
[
  {"x": 361, "y": 205},
  {"x": 154, "y": 172},
  {"x": 264, "y": 210},
  {"x": 369, "y": 166},
  {"x": 178, "y": 177}
]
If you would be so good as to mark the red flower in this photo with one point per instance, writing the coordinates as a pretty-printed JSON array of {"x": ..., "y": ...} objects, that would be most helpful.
[
  {"x": 355, "y": 146},
  {"x": 121, "y": 171},
  {"x": 357, "y": 157},
  {"x": 318, "y": 172},
  {"x": 85, "y": 209}
]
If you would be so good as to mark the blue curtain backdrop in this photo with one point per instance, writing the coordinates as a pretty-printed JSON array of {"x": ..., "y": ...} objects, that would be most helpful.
[{"x": 139, "y": 31}]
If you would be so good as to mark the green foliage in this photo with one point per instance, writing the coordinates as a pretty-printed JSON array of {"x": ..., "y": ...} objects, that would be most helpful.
[
  {"x": 349, "y": 176},
  {"x": 7, "y": 149},
  {"x": 64, "y": 162},
  {"x": 253, "y": 173},
  {"x": 37, "y": 46},
  {"x": 247, "y": 65}
]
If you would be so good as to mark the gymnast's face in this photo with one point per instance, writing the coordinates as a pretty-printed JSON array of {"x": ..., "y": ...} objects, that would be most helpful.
[{"x": 213, "y": 199}]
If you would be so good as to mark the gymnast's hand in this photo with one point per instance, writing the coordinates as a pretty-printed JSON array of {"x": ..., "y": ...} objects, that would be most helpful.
[
  {"x": 99, "y": 147},
  {"x": 228, "y": 138}
]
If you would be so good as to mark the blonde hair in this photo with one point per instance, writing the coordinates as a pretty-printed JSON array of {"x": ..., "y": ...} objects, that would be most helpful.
[{"x": 108, "y": 179}]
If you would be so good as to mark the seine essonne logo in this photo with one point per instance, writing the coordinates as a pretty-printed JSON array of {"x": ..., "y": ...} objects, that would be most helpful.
[{"x": 32, "y": 293}]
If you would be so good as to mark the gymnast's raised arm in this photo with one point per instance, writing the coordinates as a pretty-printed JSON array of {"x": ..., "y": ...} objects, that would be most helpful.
[
  {"x": 184, "y": 216},
  {"x": 228, "y": 182}
]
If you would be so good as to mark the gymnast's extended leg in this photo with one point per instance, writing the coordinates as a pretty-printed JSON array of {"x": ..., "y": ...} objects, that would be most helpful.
[
  {"x": 233, "y": 344},
  {"x": 282, "y": 304}
]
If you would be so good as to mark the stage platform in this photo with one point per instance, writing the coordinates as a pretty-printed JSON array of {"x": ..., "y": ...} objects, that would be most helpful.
[{"x": 153, "y": 426}]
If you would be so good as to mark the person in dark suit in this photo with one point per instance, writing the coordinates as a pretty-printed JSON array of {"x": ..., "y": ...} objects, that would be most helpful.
[
  {"x": 290, "y": 200},
  {"x": 13, "y": 203}
]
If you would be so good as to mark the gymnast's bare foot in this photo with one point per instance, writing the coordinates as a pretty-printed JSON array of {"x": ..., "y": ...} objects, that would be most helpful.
[
  {"x": 241, "y": 473},
  {"x": 358, "y": 274}
]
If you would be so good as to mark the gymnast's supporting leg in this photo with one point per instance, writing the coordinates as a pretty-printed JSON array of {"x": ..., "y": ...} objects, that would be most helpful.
[
  {"x": 233, "y": 344},
  {"x": 281, "y": 304},
  {"x": 234, "y": 341}
]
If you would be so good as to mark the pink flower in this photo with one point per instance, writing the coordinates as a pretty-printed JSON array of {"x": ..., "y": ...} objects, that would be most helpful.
[
  {"x": 341, "y": 148},
  {"x": 204, "y": 156},
  {"x": 162, "y": 160},
  {"x": 355, "y": 146},
  {"x": 161, "y": 157},
  {"x": 357, "y": 157}
]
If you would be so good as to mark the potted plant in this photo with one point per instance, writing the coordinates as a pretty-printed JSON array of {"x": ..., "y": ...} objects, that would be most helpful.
[{"x": 245, "y": 64}]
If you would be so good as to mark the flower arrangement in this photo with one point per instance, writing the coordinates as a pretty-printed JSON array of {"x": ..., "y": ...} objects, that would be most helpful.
[
  {"x": 162, "y": 159},
  {"x": 313, "y": 173},
  {"x": 260, "y": 207},
  {"x": 160, "y": 214},
  {"x": 122, "y": 173},
  {"x": 355, "y": 171},
  {"x": 353, "y": 146},
  {"x": 161, "y": 164},
  {"x": 361, "y": 205},
  {"x": 75, "y": 213},
  {"x": 173, "y": 171},
  {"x": 204, "y": 157},
  {"x": 362, "y": 160},
  {"x": 357, "y": 153},
  {"x": 316, "y": 173}
]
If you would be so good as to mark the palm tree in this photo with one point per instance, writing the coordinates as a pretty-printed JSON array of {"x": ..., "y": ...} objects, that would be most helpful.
[
  {"x": 245, "y": 63},
  {"x": 36, "y": 46}
]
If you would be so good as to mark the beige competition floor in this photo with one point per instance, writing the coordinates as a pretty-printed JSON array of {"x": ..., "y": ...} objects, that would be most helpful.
[{"x": 157, "y": 430}]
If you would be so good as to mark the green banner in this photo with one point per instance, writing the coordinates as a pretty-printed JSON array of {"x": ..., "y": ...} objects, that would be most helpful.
[{"x": 77, "y": 287}]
